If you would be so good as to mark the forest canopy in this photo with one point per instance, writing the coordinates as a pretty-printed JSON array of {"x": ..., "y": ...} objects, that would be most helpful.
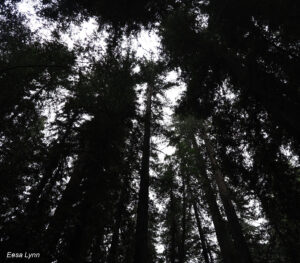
[{"x": 98, "y": 164}]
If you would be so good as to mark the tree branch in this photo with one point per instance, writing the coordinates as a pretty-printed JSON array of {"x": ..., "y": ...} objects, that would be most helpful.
[{"x": 31, "y": 66}]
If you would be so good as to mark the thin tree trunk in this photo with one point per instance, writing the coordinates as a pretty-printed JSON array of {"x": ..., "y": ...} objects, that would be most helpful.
[
  {"x": 57, "y": 222},
  {"x": 226, "y": 246},
  {"x": 182, "y": 251},
  {"x": 97, "y": 250},
  {"x": 52, "y": 162},
  {"x": 173, "y": 228},
  {"x": 85, "y": 232},
  {"x": 233, "y": 220},
  {"x": 141, "y": 238},
  {"x": 82, "y": 237},
  {"x": 112, "y": 257},
  {"x": 206, "y": 252},
  {"x": 201, "y": 234}
]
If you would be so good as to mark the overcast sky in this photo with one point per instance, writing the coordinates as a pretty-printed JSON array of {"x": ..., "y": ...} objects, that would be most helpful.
[{"x": 146, "y": 45}]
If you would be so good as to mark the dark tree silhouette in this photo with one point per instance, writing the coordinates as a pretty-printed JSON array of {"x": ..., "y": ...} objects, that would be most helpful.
[{"x": 96, "y": 167}]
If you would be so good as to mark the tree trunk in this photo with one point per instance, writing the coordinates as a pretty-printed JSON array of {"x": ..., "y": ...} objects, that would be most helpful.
[
  {"x": 141, "y": 238},
  {"x": 85, "y": 231},
  {"x": 201, "y": 234},
  {"x": 173, "y": 228},
  {"x": 182, "y": 251},
  {"x": 82, "y": 238},
  {"x": 206, "y": 252},
  {"x": 226, "y": 246},
  {"x": 112, "y": 257},
  {"x": 97, "y": 250},
  {"x": 57, "y": 222},
  {"x": 233, "y": 220},
  {"x": 57, "y": 152}
]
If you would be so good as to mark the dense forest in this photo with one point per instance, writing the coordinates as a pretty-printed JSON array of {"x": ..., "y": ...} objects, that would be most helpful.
[{"x": 84, "y": 171}]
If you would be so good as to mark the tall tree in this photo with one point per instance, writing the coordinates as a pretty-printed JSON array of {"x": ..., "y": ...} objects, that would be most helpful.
[
  {"x": 152, "y": 74},
  {"x": 229, "y": 254},
  {"x": 233, "y": 220},
  {"x": 205, "y": 249},
  {"x": 81, "y": 172},
  {"x": 141, "y": 247}
]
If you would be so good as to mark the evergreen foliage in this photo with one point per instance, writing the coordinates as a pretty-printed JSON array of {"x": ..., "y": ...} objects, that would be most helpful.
[{"x": 82, "y": 177}]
